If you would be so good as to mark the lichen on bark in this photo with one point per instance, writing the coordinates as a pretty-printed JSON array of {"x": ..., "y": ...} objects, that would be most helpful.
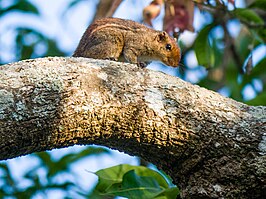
[{"x": 212, "y": 146}]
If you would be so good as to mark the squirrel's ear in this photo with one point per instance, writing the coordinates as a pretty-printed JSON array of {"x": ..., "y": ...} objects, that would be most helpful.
[{"x": 161, "y": 36}]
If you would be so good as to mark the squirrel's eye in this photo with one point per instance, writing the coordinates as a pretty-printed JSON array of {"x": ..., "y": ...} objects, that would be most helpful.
[{"x": 168, "y": 47}]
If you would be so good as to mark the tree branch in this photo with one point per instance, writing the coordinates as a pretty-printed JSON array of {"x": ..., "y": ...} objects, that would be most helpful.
[{"x": 210, "y": 145}]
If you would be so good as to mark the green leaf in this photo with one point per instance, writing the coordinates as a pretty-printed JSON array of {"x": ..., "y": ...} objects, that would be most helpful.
[
  {"x": 46, "y": 159},
  {"x": 231, "y": 81},
  {"x": 26, "y": 47},
  {"x": 9, "y": 183},
  {"x": 132, "y": 182},
  {"x": 5, "y": 168},
  {"x": 257, "y": 35},
  {"x": 208, "y": 83},
  {"x": 62, "y": 165},
  {"x": 53, "y": 49},
  {"x": 24, "y": 6},
  {"x": 202, "y": 47},
  {"x": 262, "y": 34},
  {"x": 136, "y": 187},
  {"x": 259, "y": 70},
  {"x": 248, "y": 16},
  {"x": 258, "y": 100},
  {"x": 260, "y": 4},
  {"x": 115, "y": 174},
  {"x": 26, "y": 52},
  {"x": 169, "y": 193},
  {"x": 6, "y": 176}
]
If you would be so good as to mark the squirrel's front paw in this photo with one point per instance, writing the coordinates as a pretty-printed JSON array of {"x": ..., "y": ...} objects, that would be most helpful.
[
  {"x": 112, "y": 58},
  {"x": 142, "y": 64}
]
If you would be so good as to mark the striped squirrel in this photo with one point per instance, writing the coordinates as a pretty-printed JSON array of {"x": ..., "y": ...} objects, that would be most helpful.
[{"x": 125, "y": 40}]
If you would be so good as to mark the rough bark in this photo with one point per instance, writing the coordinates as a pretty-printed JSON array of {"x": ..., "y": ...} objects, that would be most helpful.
[{"x": 212, "y": 146}]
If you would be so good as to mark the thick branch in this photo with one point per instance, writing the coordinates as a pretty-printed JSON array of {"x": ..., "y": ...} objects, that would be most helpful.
[{"x": 210, "y": 145}]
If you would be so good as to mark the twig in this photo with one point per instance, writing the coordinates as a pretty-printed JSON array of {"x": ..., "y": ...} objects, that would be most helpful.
[{"x": 230, "y": 43}]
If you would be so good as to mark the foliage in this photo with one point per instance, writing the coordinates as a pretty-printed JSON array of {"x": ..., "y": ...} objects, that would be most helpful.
[
  {"x": 28, "y": 40},
  {"x": 43, "y": 177},
  {"x": 228, "y": 58},
  {"x": 134, "y": 182}
]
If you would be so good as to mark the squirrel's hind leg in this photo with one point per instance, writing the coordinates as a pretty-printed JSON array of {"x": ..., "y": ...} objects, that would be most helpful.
[{"x": 104, "y": 50}]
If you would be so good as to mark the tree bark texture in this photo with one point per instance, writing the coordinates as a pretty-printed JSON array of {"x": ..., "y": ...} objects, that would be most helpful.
[{"x": 212, "y": 146}]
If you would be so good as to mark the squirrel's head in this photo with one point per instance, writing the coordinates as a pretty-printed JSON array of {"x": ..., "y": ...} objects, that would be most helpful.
[{"x": 168, "y": 52}]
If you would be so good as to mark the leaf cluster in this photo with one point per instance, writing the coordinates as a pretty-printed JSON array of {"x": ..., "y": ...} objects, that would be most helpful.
[
  {"x": 134, "y": 182},
  {"x": 30, "y": 42},
  {"x": 46, "y": 175},
  {"x": 229, "y": 58}
]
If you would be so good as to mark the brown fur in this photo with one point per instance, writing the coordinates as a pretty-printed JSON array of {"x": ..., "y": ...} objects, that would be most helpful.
[{"x": 113, "y": 38}]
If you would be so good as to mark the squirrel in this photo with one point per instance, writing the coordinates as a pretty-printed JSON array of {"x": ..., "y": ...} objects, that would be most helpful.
[{"x": 125, "y": 40}]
